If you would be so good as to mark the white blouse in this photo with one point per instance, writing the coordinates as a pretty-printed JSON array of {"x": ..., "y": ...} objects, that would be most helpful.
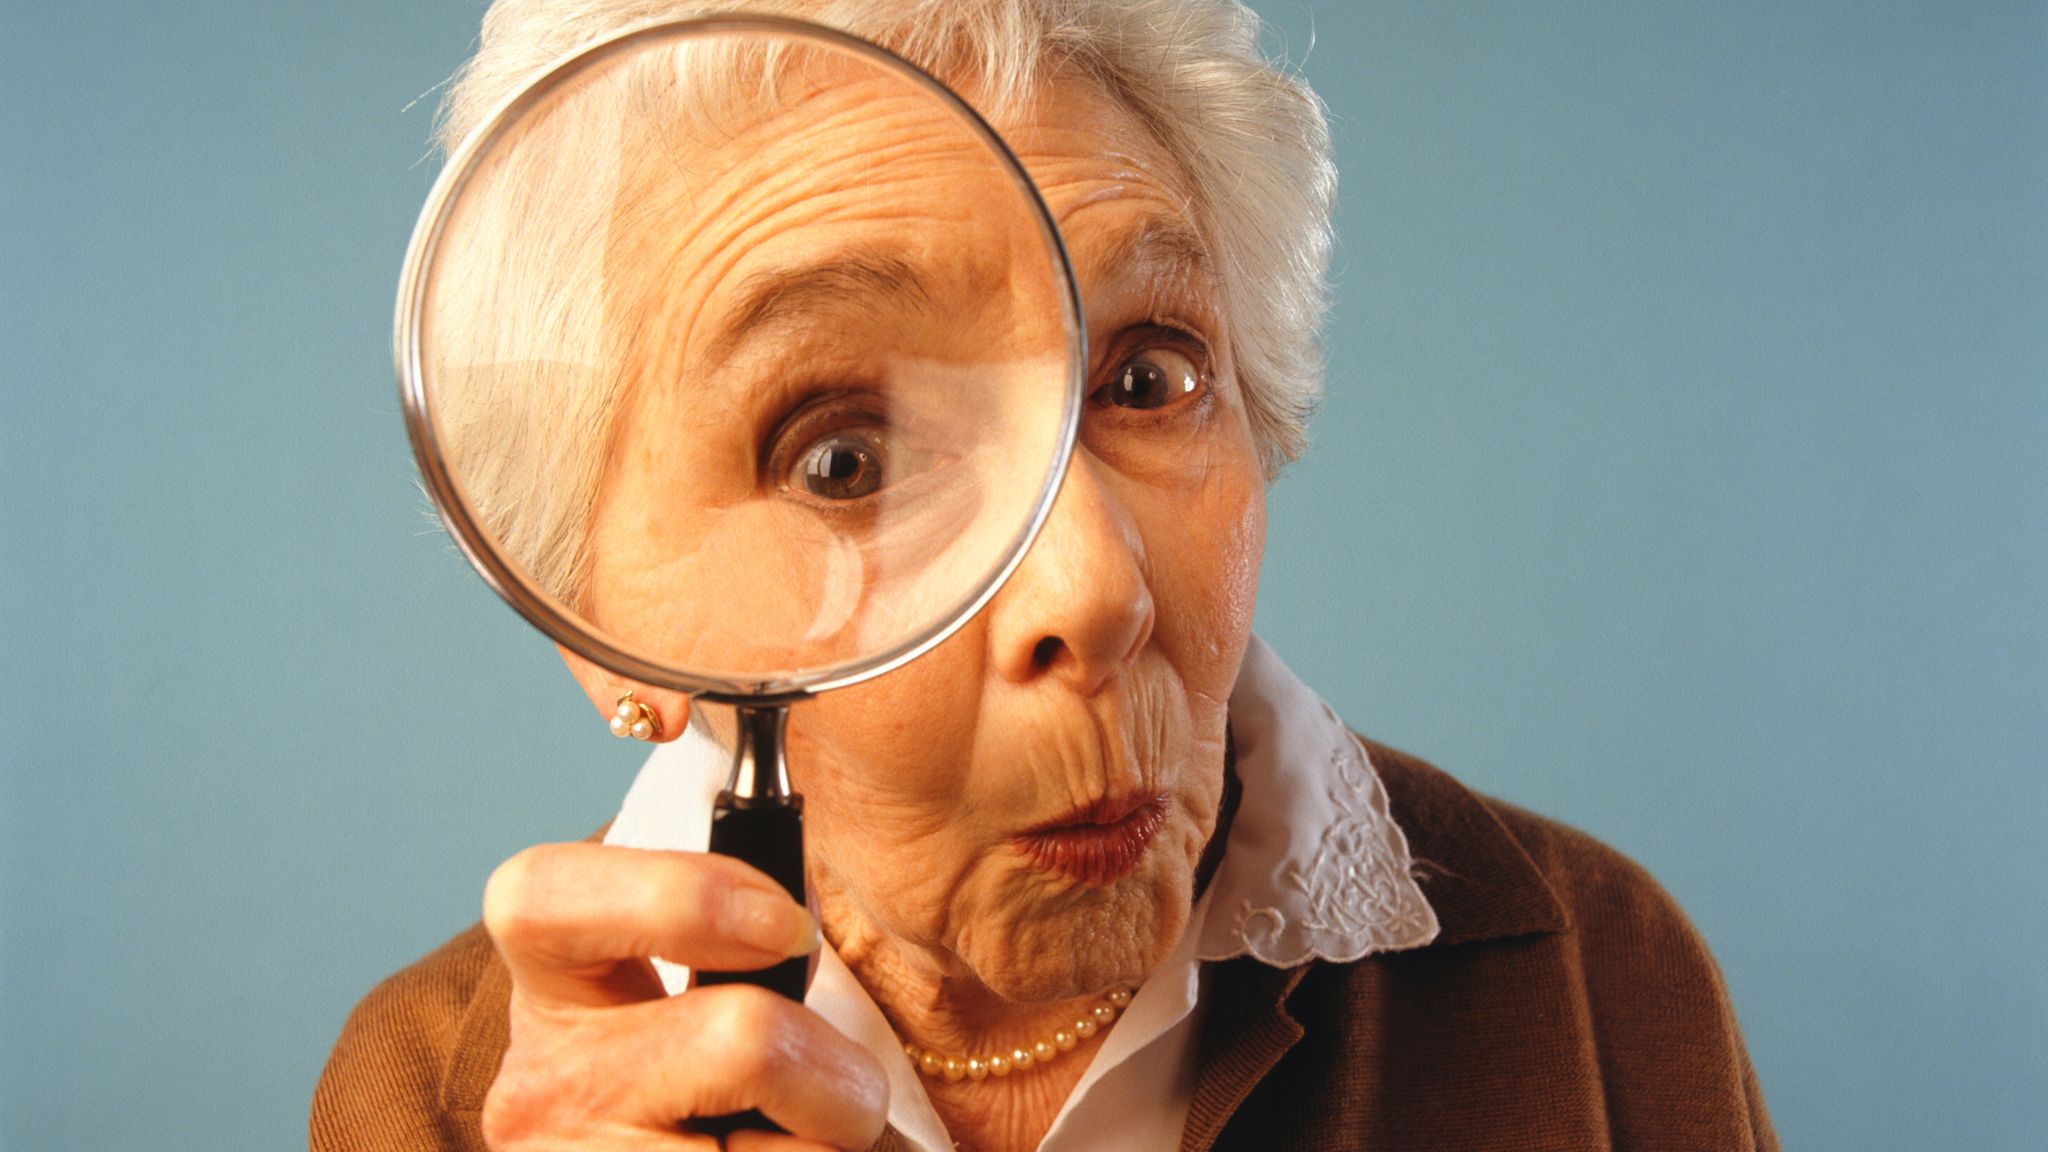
[{"x": 1314, "y": 867}]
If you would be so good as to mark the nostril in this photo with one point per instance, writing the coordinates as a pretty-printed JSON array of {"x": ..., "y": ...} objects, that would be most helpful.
[{"x": 1045, "y": 651}]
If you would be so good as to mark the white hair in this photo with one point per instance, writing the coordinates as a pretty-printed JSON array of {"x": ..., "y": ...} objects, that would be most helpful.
[{"x": 1249, "y": 135}]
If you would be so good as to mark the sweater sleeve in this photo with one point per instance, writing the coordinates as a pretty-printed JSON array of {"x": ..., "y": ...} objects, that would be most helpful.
[{"x": 406, "y": 1072}]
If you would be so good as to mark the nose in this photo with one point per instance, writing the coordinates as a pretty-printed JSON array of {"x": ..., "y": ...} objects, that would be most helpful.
[{"x": 1079, "y": 607}]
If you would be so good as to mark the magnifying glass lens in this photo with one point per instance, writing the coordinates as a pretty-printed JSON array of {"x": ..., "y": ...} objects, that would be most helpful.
[{"x": 750, "y": 356}]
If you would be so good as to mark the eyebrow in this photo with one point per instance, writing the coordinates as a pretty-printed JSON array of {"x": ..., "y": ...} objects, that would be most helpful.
[
  {"x": 779, "y": 295},
  {"x": 1161, "y": 244},
  {"x": 1164, "y": 248}
]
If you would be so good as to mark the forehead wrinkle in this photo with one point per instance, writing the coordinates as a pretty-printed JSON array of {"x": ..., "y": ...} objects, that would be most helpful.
[
  {"x": 1090, "y": 155},
  {"x": 750, "y": 214},
  {"x": 782, "y": 295}
]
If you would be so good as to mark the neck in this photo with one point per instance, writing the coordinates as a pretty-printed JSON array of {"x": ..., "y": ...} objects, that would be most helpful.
[{"x": 955, "y": 1015}]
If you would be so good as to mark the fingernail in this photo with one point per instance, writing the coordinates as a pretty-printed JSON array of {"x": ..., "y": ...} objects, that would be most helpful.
[{"x": 770, "y": 921}]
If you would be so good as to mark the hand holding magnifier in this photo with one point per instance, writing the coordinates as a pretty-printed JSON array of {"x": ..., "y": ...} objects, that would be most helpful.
[{"x": 742, "y": 359}]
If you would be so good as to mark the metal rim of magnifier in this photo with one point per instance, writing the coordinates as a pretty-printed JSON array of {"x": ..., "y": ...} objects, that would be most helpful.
[{"x": 510, "y": 583}]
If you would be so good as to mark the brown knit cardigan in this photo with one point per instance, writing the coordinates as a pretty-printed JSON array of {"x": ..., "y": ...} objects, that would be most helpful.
[{"x": 1567, "y": 1005}]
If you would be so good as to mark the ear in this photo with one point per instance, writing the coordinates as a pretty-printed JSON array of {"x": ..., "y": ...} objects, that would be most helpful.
[{"x": 605, "y": 687}]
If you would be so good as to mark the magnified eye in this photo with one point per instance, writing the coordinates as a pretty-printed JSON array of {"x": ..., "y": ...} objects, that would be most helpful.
[
  {"x": 842, "y": 466},
  {"x": 1153, "y": 378}
]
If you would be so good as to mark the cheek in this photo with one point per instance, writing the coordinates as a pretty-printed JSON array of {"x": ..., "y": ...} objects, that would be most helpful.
[
  {"x": 880, "y": 768},
  {"x": 1204, "y": 544},
  {"x": 900, "y": 733}
]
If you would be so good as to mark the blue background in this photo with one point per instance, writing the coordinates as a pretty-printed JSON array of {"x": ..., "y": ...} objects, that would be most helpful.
[{"x": 1682, "y": 476}]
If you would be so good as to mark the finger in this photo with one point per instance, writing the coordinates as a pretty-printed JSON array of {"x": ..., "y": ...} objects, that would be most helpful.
[
  {"x": 643, "y": 1070},
  {"x": 716, "y": 1051},
  {"x": 574, "y": 922},
  {"x": 574, "y": 1078}
]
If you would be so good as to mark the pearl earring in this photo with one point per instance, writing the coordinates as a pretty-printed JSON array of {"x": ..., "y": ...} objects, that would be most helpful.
[{"x": 635, "y": 719}]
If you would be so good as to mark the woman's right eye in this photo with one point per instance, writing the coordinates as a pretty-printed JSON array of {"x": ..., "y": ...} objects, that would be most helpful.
[
  {"x": 1154, "y": 378},
  {"x": 845, "y": 465}
]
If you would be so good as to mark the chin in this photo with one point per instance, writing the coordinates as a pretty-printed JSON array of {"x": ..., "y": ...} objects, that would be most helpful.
[{"x": 1052, "y": 938}]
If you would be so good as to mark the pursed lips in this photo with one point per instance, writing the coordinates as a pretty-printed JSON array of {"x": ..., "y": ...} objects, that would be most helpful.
[{"x": 1099, "y": 842}]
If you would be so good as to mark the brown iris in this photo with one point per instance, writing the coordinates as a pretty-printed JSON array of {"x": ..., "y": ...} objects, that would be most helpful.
[{"x": 840, "y": 467}]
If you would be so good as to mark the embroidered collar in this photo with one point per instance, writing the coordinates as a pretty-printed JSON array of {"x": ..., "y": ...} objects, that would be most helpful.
[{"x": 1316, "y": 867}]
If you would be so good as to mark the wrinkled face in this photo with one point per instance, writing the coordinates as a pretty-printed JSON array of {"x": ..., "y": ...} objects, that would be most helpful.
[{"x": 1024, "y": 804}]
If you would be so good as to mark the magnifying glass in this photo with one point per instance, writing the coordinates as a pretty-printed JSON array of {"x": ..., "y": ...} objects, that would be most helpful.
[{"x": 743, "y": 359}]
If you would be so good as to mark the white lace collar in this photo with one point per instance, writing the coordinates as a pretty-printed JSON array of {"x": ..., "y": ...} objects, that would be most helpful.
[{"x": 1315, "y": 866}]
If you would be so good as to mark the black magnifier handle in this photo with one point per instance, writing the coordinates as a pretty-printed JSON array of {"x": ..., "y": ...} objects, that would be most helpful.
[
  {"x": 769, "y": 834},
  {"x": 759, "y": 820}
]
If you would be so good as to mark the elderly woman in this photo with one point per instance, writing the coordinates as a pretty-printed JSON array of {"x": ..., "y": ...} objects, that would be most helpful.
[{"x": 1126, "y": 882}]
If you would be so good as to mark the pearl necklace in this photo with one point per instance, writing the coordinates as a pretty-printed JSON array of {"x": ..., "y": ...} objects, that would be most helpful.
[{"x": 938, "y": 1065}]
